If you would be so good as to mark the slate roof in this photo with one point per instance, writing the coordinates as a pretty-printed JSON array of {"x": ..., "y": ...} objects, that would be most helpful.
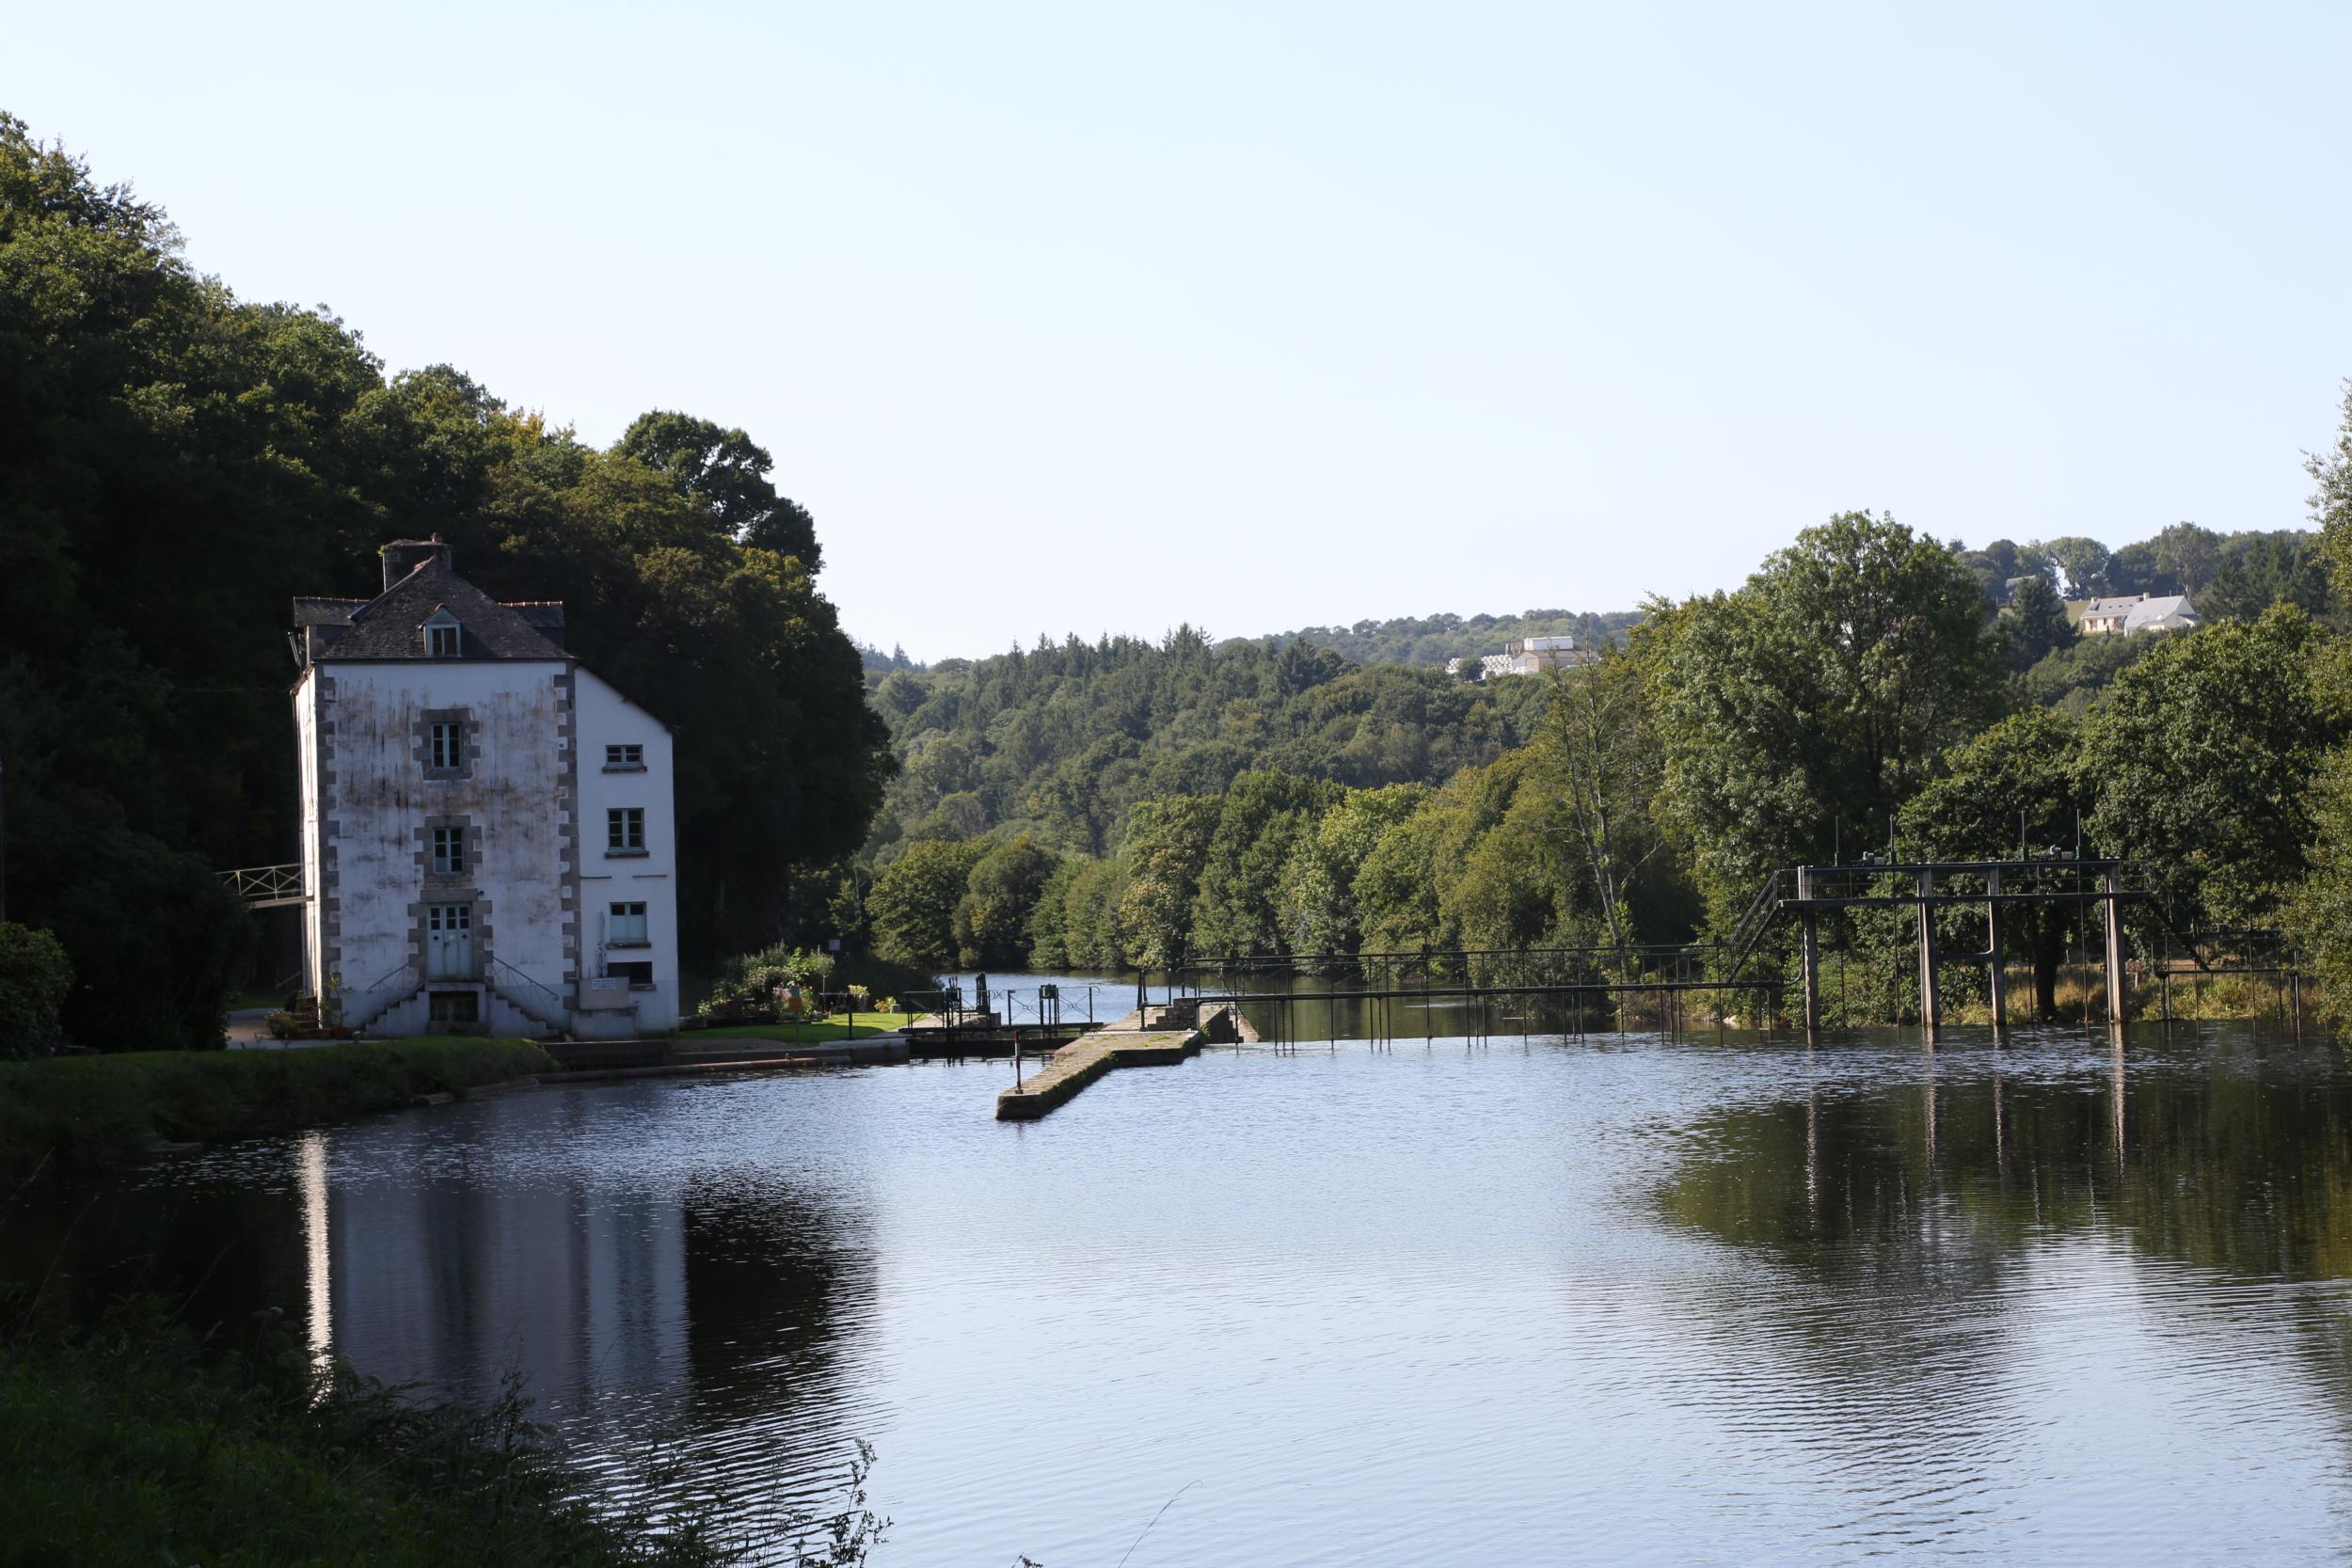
[
  {"x": 386, "y": 626},
  {"x": 323, "y": 612},
  {"x": 2104, "y": 608},
  {"x": 2149, "y": 611}
]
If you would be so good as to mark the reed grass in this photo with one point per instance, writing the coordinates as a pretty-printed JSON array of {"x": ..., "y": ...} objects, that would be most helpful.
[{"x": 138, "y": 1444}]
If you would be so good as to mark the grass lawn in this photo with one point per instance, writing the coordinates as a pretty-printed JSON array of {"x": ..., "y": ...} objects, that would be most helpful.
[
  {"x": 68, "y": 1114},
  {"x": 835, "y": 1028}
]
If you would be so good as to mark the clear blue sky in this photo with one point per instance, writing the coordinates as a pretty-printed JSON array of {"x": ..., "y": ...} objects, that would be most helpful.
[{"x": 1091, "y": 317}]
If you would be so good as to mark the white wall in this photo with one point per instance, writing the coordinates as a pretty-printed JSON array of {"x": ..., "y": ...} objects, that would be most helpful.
[
  {"x": 380, "y": 796},
  {"x": 307, "y": 767},
  {"x": 607, "y": 718}
]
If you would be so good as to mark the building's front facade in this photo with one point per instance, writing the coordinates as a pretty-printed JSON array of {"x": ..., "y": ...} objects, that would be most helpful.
[
  {"x": 2104, "y": 617},
  {"x": 2128, "y": 614},
  {"x": 488, "y": 834}
]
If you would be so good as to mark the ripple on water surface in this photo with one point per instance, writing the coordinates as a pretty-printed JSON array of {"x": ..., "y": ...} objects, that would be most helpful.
[{"x": 1617, "y": 1300}]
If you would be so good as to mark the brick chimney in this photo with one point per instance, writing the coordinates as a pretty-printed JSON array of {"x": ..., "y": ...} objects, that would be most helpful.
[{"x": 403, "y": 556}]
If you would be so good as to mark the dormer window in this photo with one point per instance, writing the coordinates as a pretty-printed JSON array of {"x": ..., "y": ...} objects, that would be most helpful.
[{"x": 442, "y": 636}]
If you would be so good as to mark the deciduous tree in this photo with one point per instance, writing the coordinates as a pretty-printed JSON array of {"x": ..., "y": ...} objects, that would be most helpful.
[
  {"x": 1608, "y": 771},
  {"x": 1265, "y": 817},
  {"x": 2016, "y": 787},
  {"x": 1823, "y": 692},
  {"x": 992, "y": 919},
  {"x": 2202, "y": 757},
  {"x": 911, "y": 909}
]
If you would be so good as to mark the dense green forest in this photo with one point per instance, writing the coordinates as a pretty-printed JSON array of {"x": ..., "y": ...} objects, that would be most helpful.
[
  {"x": 1124, "y": 803},
  {"x": 1436, "y": 638},
  {"x": 176, "y": 464},
  {"x": 1061, "y": 740}
]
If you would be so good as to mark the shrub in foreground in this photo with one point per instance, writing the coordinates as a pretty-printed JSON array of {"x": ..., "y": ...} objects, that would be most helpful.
[
  {"x": 138, "y": 1445},
  {"x": 34, "y": 979}
]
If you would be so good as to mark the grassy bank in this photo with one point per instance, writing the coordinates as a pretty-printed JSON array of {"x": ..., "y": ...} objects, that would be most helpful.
[
  {"x": 815, "y": 1031},
  {"x": 77, "y": 1114},
  {"x": 136, "y": 1445}
]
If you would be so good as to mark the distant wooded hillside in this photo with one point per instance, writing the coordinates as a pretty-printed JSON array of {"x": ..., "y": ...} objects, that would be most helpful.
[
  {"x": 1121, "y": 802},
  {"x": 1063, "y": 738},
  {"x": 1435, "y": 639}
]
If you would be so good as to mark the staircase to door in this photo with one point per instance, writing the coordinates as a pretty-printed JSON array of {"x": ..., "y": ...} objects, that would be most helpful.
[{"x": 540, "y": 1002}]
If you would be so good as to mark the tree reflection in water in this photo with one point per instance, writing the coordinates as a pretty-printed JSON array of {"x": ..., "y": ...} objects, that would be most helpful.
[{"x": 1896, "y": 1233}]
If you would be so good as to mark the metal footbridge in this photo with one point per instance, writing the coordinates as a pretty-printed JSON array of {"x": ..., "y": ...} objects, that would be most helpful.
[{"x": 1755, "y": 956}]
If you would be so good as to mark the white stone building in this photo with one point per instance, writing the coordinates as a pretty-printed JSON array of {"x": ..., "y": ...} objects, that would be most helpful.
[
  {"x": 488, "y": 834},
  {"x": 1533, "y": 655}
]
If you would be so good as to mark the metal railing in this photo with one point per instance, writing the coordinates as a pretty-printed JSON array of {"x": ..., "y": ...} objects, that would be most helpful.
[
  {"x": 264, "y": 887},
  {"x": 361, "y": 1009},
  {"x": 541, "y": 1002},
  {"x": 1753, "y": 924}
]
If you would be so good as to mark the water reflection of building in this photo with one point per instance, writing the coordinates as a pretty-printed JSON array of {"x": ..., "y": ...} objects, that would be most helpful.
[
  {"x": 455, "y": 1281},
  {"x": 627, "y": 1305}
]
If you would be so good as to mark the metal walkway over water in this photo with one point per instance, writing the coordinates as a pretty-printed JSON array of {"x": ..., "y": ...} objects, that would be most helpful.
[{"x": 1756, "y": 957}]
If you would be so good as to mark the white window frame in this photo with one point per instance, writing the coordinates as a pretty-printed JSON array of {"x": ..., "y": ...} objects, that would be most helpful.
[
  {"x": 626, "y": 925},
  {"x": 624, "y": 758},
  {"x": 624, "y": 830},
  {"x": 449, "y": 852},
  {"x": 445, "y": 746}
]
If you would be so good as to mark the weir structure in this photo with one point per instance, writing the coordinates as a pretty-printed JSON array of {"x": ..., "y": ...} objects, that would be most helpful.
[
  {"x": 2098, "y": 890},
  {"x": 2005, "y": 884}
]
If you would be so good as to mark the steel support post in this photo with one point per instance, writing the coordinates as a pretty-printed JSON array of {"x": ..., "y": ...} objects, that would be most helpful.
[
  {"x": 1930, "y": 1012},
  {"x": 2115, "y": 949},
  {"x": 1996, "y": 974},
  {"x": 1812, "y": 959}
]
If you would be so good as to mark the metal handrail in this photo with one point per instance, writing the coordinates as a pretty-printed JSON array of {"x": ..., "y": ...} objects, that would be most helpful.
[
  {"x": 1761, "y": 908},
  {"x": 400, "y": 988},
  {"x": 499, "y": 966},
  {"x": 404, "y": 967}
]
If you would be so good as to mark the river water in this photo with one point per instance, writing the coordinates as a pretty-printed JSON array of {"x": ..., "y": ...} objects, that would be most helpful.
[{"x": 1617, "y": 1299}]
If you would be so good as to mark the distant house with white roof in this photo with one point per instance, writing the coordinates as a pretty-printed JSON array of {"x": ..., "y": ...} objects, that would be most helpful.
[
  {"x": 1531, "y": 655},
  {"x": 2127, "y": 615}
]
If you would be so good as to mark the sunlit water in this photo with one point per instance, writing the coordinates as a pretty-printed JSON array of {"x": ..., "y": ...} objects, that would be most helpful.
[{"x": 1611, "y": 1300}]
